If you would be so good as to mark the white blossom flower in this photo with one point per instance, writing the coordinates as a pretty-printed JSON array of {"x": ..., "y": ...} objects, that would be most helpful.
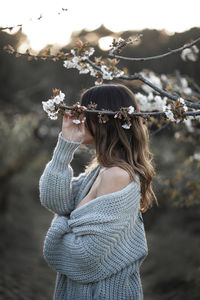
[
  {"x": 153, "y": 79},
  {"x": 163, "y": 77},
  {"x": 126, "y": 126},
  {"x": 68, "y": 64},
  {"x": 181, "y": 100},
  {"x": 83, "y": 57},
  {"x": 169, "y": 113},
  {"x": 196, "y": 156},
  {"x": 98, "y": 82},
  {"x": 190, "y": 53},
  {"x": 89, "y": 52},
  {"x": 76, "y": 121},
  {"x": 53, "y": 116},
  {"x": 73, "y": 52},
  {"x": 48, "y": 105},
  {"x": 150, "y": 102},
  {"x": 57, "y": 99},
  {"x": 120, "y": 40},
  {"x": 119, "y": 74},
  {"x": 84, "y": 71},
  {"x": 107, "y": 76},
  {"x": 79, "y": 67},
  {"x": 104, "y": 68},
  {"x": 184, "y": 84},
  {"x": 75, "y": 59},
  {"x": 187, "y": 91},
  {"x": 93, "y": 72},
  {"x": 131, "y": 110},
  {"x": 62, "y": 96},
  {"x": 150, "y": 96}
]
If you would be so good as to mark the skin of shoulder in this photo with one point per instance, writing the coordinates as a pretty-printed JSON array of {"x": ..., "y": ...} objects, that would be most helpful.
[{"x": 112, "y": 180}]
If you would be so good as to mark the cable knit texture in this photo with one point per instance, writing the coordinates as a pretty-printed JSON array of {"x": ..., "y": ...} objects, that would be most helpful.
[{"x": 98, "y": 249}]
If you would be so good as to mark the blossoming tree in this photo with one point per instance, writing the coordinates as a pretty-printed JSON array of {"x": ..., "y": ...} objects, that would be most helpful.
[
  {"x": 156, "y": 99},
  {"x": 172, "y": 99}
]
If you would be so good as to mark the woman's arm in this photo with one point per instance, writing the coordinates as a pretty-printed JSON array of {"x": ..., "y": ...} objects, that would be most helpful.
[
  {"x": 89, "y": 257},
  {"x": 57, "y": 186},
  {"x": 89, "y": 247}
]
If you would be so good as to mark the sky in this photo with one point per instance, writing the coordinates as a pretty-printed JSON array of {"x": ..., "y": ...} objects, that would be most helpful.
[{"x": 56, "y": 26}]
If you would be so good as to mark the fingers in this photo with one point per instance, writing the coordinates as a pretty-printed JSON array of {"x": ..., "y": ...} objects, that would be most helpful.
[{"x": 68, "y": 115}]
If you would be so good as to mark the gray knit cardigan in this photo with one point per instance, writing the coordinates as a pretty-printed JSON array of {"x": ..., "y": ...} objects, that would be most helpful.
[{"x": 98, "y": 249}]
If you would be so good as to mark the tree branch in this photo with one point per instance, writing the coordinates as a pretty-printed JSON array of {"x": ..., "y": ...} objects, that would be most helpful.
[
  {"x": 142, "y": 114},
  {"x": 37, "y": 19},
  {"x": 159, "y": 129},
  {"x": 137, "y": 76},
  {"x": 111, "y": 53}
]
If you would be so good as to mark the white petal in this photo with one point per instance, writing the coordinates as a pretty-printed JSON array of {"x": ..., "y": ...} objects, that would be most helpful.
[
  {"x": 181, "y": 100},
  {"x": 76, "y": 121},
  {"x": 62, "y": 96},
  {"x": 57, "y": 99},
  {"x": 125, "y": 126},
  {"x": 131, "y": 109},
  {"x": 75, "y": 59}
]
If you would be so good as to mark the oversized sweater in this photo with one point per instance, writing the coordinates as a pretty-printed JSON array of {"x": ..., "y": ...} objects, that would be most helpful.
[{"x": 96, "y": 250}]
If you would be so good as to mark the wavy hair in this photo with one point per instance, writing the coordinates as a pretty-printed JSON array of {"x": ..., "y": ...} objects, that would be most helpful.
[{"x": 116, "y": 146}]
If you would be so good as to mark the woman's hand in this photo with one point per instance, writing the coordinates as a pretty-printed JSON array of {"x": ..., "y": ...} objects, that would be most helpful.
[{"x": 71, "y": 131}]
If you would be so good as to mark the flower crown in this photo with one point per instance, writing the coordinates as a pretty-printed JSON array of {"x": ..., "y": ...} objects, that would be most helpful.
[{"x": 56, "y": 105}]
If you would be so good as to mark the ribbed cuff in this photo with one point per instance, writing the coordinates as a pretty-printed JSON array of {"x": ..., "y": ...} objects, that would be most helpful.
[
  {"x": 60, "y": 225},
  {"x": 63, "y": 152}
]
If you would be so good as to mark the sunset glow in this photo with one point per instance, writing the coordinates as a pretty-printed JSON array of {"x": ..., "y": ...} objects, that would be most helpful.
[{"x": 56, "y": 25}]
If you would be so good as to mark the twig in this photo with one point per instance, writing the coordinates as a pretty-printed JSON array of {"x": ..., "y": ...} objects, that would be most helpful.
[
  {"x": 137, "y": 76},
  {"x": 159, "y": 129},
  {"x": 37, "y": 19},
  {"x": 142, "y": 114},
  {"x": 111, "y": 53},
  {"x": 10, "y": 27}
]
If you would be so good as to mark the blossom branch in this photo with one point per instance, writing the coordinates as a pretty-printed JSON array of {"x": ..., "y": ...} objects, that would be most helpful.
[
  {"x": 138, "y": 76},
  {"x": 112, "y": 54},
  {"x": 37, "y": 19},
  {"x": 79, "y": 58},
  {"x": 46, "y": 55},
  {"x": 142, "y": 114},
  {"x": 10, "y": 27}
]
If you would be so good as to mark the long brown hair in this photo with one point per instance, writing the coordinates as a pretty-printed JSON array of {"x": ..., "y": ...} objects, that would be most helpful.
[{"x": 116, "y": 146}]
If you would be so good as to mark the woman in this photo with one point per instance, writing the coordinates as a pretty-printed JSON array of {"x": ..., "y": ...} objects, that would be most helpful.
[{"x": 97, "y": 241}]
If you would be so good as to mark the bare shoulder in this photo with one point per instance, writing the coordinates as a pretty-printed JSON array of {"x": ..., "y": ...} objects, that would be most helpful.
[
  {"x": 115, "y": 173},
  {"x": 112, "y": 180}
]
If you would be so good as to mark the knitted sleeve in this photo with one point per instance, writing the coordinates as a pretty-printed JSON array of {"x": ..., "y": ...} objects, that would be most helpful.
[
  {"x": 94, "y": 249},
  {"x": 57, "y": 186}
]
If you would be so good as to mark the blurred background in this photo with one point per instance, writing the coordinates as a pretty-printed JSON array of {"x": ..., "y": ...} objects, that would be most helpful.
[{"x": 28, "y": 137}]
